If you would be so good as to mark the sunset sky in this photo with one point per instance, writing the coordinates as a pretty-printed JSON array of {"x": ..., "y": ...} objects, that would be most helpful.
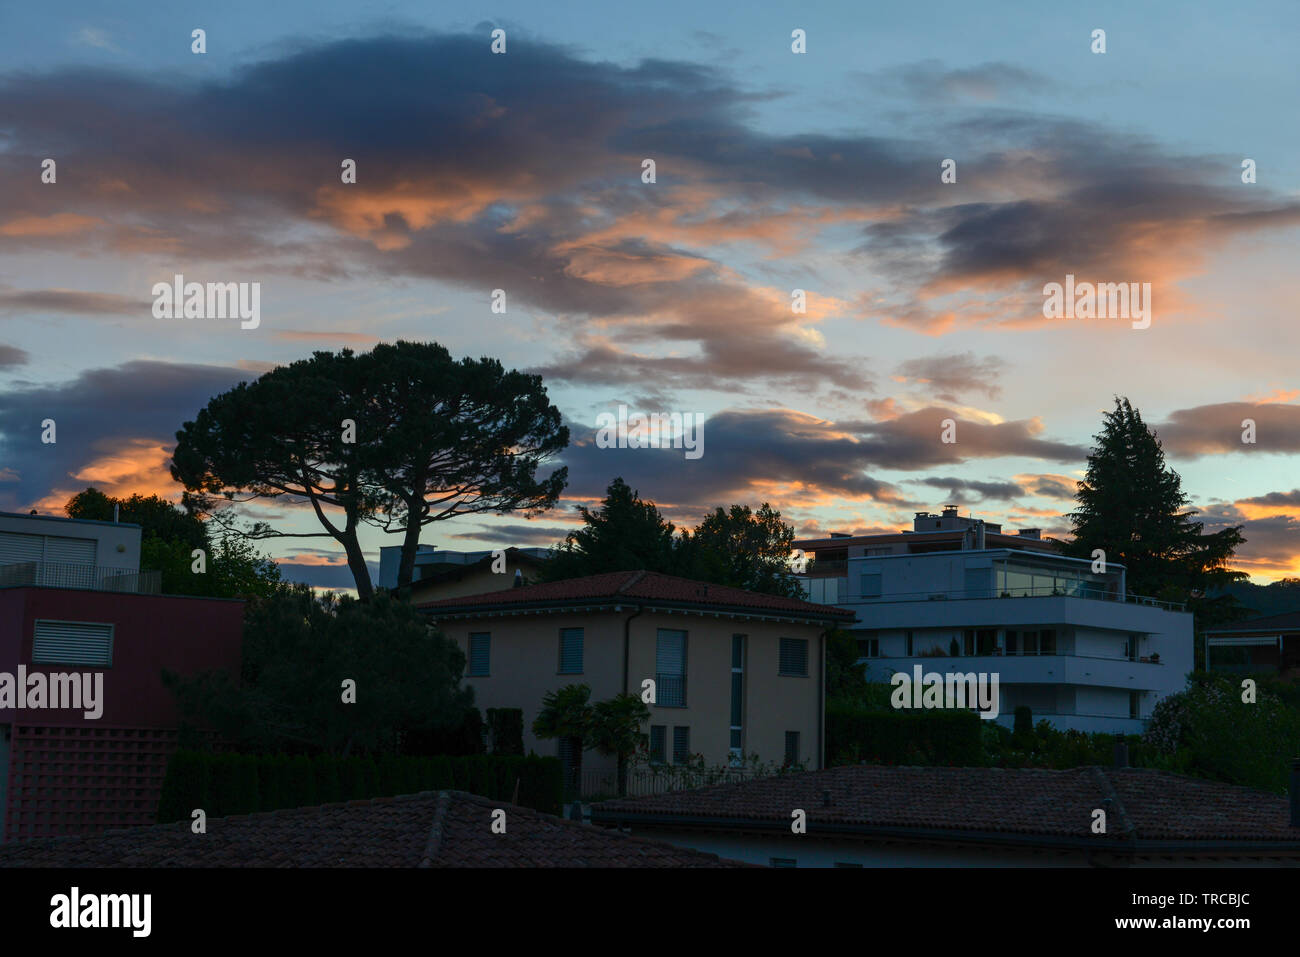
[{"x": 775, "y": 171}]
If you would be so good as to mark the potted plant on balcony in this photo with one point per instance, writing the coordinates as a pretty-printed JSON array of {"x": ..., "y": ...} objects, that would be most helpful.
[{"x": 1155, "y": 657}]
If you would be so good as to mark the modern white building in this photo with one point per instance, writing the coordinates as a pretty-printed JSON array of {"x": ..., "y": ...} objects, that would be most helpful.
[
  {"x": 956, "y": 595},
  {"x": 58, "y": 552}
]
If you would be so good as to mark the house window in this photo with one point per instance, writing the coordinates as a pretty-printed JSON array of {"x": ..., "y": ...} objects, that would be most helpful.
[
  {"x": 782, "y": 862},
  {"x": 871, "y": 585},
  {"x": 736, "y": 743},
  {"x": 1012, "y": 642},
  {"x": 681, "y": 745},
  {"x": 480, "y": 653},
  {"x": 791, "y": 748},
  {"x": 909, "y": 644},
  {"x": 979, "y": 641},
  {"x": 793, "y": 657},
  {"x": 570, "y": 651},
  {"x": 868, "y": 647},
  {"x": 1047, "y": 641},
  {"x": 1131, "y": 647},
  {"x": 1134, "y": 704},
  {"x": 670, "y": 669},
  {"x": 72, "y": 643},
  {"x": 658, "y": 744},
  {"x": 1029, "y": 642},
  {"x": 569, "y": 763}
]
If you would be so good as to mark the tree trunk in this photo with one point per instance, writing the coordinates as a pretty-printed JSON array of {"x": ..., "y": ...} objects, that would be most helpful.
[
  {"x": 410, "y": 547},
  {"x": 357, "y": 565}
]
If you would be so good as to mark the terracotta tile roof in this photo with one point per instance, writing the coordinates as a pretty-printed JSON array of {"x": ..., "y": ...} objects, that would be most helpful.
[
  {"x": 431, "y": 829},
  {"x": 634, "y": 587},
  {"x": 1145, "y": 805}
]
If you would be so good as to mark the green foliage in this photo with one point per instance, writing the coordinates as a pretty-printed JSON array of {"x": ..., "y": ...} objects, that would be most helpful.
[
  {"x": 226, "y": 784},
  {"x": 625, "y": 534},
  {"x": 1219, "y": 736},
  {"x": 845, "y": 678},
  {"x": 855, "y": 734},
  {"x": 506, "y": 727},
  {"x": 1132, "y": 506},
  {"x": 434, "y": 438},
  {"x": 297, "y": 652},
  {"x": 737, "y": 546},
  {"x": 170, "y": 534},
  {"x": 743, "y": 549}
]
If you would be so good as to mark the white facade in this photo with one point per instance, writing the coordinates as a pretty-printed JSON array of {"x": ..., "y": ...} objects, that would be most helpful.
[
  {"x": 1063, "y": 640},
  {"x": 68, "y": 553}
]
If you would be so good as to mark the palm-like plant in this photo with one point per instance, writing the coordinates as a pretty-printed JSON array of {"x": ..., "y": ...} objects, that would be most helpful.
[
  {"x": 616, "y": 729},
  {"x": 567, "y": 714}
]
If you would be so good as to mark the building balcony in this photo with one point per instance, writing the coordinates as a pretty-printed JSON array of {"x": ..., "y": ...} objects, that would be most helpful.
[
  {"x": 1034, "y": 669},
  {"x": 81, "y": 577}
]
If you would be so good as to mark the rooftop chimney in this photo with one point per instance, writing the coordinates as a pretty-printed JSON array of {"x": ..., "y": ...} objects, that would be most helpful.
[{"x": 116, "y": 506}]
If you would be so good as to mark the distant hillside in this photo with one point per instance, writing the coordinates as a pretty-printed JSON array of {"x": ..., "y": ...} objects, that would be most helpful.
[{"x": 1273, "y": 599}]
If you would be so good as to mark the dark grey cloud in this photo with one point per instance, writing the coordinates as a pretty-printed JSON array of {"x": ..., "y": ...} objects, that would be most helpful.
[
  {"x": 930, "y": 82},
  {"x": 101, "y": 413},
  {"x": 70, "y": 301},
  {"x": 11, "y": 357},
  {"x": 1217, "y": 428},
  {"x": 749, "y": 453},
  {"x": 1279, "y": 499},
  {"x": 956, "y": 490},
  {"x": 518, "y": 533},
  {"x": 956, "y": 374}
]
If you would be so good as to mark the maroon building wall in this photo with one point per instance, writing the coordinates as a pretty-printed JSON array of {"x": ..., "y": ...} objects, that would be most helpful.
[{"x": 69, "y": 774}]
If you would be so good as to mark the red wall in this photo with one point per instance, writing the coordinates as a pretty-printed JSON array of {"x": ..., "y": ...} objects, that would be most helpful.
[{"x": 152, "y": 632}]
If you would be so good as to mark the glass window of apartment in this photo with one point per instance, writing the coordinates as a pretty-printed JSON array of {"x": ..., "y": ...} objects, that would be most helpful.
[
  {"x": 791, "y": 748},
  {"x": 681, "y": 744},
  {"x": 1047, "y": 641},
  {"x": 736, "y": 742},
  {"x": 480, "y": 648},
  {"x": 871, "y": 584},
  {"x": 670, "y": 668},
  {"x": 1131, "y": 647},
  {"x": 909, "y": 644},
  {"x": 1029, "y": 642},
  {"x": 1012, "y": 642},
  {"x": 793, "y": 659},
  {"x": 868, "y": 646},
  {"x": 1134, "y": 704},
  {"x": 658, "y": 744},
  {"x": 570, "y": 651}
]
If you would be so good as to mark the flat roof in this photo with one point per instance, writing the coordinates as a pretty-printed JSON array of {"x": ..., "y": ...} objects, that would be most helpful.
[{"x": 64, "y": 518}]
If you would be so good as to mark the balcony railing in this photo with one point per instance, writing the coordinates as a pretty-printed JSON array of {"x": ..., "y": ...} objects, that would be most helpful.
[
  {"x": 1084, "y": 591},
  {"x": 91, "y": 577}
]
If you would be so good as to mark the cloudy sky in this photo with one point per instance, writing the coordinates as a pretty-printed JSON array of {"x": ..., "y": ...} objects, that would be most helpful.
[{"x": 775, "y": 171}]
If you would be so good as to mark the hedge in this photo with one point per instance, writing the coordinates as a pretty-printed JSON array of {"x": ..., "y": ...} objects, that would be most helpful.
[
  {"x": 226, "y": 784},
  {"x": 855, "y": 734},
  {"x": 506, "y": 726}
]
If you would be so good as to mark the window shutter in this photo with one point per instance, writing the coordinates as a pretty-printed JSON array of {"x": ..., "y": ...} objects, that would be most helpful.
[
  {"x": 480, "y": 644},
  {"x": 681, "y": 745},
  {"x": 70, "y": 551},
  {"x": 670, "y": 668},
  {"x": 794, "y": 657},
  {"x": 659, "y": 743},
  {"x": 18, "y": 549},
  {"x": 73, "y": 643},
  {"x": 570, "y": 651}
]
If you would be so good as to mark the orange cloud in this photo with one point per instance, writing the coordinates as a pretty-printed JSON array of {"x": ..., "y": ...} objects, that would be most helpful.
[
  {"x": 60, "y": 224},
  {"x": 138, "y": 466}
]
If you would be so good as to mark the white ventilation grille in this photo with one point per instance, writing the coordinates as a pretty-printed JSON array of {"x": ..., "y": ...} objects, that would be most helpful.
[{"x": 73, "y": 643}]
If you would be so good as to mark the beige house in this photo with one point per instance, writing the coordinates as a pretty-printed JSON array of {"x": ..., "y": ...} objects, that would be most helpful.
[{"x": 735, "y": 673}]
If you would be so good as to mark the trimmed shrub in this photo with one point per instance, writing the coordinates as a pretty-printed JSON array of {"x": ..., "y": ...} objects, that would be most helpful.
[
  {"x": 855, "y": 734},
  {"x": 506, "y": 726},
  {"x": 185, "y": 786}
]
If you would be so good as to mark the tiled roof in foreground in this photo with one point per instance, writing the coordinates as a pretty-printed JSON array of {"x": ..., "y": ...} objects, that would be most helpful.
[
  {"x": 431, "y": 829},
  {"x": 634, "y": 587},
  {"x": 1026, "y": 804}
]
